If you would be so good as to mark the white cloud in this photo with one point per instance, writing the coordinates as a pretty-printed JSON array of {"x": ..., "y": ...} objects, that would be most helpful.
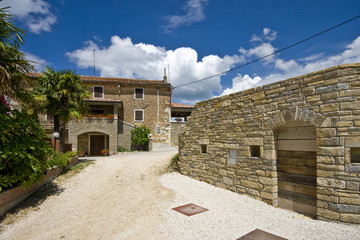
[
  {"x": 194, "y": 13},
  {"x": 260, "y": 51},
  {"x": 267, "y": 35},
  {"x": 123, "y": 58},
  {"x": 35, "y": 14},
  {"x": 283, "y": 69},
  {"x": 240, "y": 83},
  {"x": 37, "y": 62}
]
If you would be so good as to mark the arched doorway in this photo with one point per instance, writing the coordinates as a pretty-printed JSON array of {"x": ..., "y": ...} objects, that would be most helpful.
[
  {"x": 296, "y": 166},
  {"x": 92, "y": 143}
]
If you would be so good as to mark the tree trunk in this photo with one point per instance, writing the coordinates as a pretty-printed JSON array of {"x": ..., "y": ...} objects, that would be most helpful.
[
  {"x": 62, "y": 136},
  {"x": 56, "y": 123}
]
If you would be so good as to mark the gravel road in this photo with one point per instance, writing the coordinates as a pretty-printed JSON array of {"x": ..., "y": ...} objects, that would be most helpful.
[{"x": 130, "y": 196}]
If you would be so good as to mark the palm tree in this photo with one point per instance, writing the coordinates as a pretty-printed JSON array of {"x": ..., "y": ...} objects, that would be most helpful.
[
  {"x": 13, "y": 66},
  {"x": 60, "y": 94}
]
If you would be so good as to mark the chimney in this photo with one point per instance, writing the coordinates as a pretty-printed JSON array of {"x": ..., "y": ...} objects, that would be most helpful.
[{"x": 165, "y": 77}]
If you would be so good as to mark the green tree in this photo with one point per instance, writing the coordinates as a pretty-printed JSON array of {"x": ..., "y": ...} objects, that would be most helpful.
[
  {"x": 61, "y": 95},
  {"x": 13, "y": 66},
  {"x": 140, "y": 137}
]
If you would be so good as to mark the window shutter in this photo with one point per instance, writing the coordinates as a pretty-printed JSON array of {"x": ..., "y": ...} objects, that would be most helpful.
[
  {"x": 139, "y": 116},
  {"x": 98, "y": 92},
  {"x": 139, "y": 92}
]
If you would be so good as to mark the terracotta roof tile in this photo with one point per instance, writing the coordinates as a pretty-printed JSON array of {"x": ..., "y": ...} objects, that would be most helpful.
[
  {"x": 181, "y": 105},
  {"x": 112, "y": 80}
]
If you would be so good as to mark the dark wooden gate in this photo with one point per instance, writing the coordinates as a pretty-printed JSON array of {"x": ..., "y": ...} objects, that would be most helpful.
[
  {"x": 97, "y": 143},
  {"x": 296, "y": 168}
]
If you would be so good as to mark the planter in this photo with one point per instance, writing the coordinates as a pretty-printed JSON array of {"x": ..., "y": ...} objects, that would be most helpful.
[{"x": 12, "y": 197}]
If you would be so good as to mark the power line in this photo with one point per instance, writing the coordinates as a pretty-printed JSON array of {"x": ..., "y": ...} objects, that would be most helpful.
[{"x": 280, "y": 50}]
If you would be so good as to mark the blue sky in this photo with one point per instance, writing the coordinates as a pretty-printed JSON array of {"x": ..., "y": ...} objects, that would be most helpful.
[{"x": 195, "y": 38}]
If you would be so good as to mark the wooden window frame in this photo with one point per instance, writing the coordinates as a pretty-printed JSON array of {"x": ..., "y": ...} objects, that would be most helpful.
[
  {"x": 143, "y": 93},
  {"x": 139, "y": 110},
  {"x": 102, "y": 91}
]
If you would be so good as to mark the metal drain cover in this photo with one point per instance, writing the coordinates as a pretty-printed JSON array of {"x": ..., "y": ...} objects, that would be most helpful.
[
  {"x": 190, "y": 209},
  {"x": 258, "y": 234}
]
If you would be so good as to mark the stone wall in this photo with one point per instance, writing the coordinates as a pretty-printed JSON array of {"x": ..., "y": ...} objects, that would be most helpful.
[
  {"x": 176, "y": 129},
  {"x": 93, "y": 125},
  {"x": 232, "y": 141}
]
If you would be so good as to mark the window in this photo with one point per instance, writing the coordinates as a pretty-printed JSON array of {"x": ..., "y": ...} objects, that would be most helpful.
[
  {"x": 254, "y": 151},
  {"x": 203, "y": 148},
  {"x": 233, "y": 156},
  {"x": 98, "y": 92},
  {"x": 158, "y": 130},
  {"x": 139, "y": 115},
  {"x": 139, "y": 93},
  {"x": 355, "y": 155}
]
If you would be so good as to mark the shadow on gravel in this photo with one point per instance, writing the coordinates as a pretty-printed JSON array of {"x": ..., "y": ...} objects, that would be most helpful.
[{"x": 32, "y": 203}]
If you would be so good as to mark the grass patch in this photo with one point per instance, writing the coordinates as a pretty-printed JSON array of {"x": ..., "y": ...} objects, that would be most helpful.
[{"x": 174, "y": 163}]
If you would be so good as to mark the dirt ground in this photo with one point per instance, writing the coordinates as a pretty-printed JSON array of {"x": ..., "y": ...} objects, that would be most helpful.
[{"x": 115, "y": 198}]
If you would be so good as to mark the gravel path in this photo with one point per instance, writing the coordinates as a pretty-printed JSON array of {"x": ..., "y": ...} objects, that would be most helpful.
[{"x": 129, "y": 196}]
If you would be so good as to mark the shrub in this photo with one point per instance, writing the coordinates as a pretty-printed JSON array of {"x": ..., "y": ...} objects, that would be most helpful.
[
  {"x": 70, "y": 154},
  {"x": 60, "y": 160},
  {"x": 121, "y": 149},
  {"x": 139, "y": 136},
  {"x": 174, "y": 162},
  {"x": 23, "y": 148}
]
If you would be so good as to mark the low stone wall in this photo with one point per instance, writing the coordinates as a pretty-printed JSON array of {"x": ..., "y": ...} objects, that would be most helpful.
[
  {"x": 233, "y": 141},
  {"x": 176, "y": 129}
]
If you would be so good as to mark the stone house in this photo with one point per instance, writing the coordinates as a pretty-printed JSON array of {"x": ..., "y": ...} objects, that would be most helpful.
[
  {"x": 180, "y": 112},
  {"x": 294, "y": 144},
  {"x": 116, "y": 106}
]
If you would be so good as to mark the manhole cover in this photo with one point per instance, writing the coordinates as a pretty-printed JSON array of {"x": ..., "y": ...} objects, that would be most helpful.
[
  {"x": 190, "y": 209},
  {"x": 258, "y": 234}
]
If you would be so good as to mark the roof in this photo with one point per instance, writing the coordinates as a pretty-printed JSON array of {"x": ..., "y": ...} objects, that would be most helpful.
[
  {"x": 101, "y": 100},
  {"x": 113, "y": 80},
  {"x": 181, "y": 105}
]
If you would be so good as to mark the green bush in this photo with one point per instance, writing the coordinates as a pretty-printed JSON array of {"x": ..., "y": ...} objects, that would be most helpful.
[
  {"x": 121, "y": 149},
  {"x": 60, "y": 160},
  {"x": 174, "y": 162},
  {"x": 139, "y": 136},
  {"x": 23, "y": 148},
  {"x": 70, "y": 154}
]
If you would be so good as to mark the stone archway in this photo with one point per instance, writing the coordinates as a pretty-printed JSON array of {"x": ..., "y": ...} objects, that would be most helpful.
[{"x": 296, "y": 167}]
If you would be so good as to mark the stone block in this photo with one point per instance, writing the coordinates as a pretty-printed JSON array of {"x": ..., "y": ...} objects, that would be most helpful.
[
  {"x": 227, "y": 181},
  {"x": 324, "y": 173},
  {"x": 352, "y": 185},
  {"x": 331, "y": 107},
  {"x": 268, "y": 181},
  {"x": 258, "y": 96},
  {"x": 344, "y": 208},
  {"x": 254, "y": 141},
  {"x": 330, "y": 182},
  {"x": 350, "y": 218},
  {"x": 328, "y": 198},
  {"x": 267, "y": 195},
  {"x": 325, "y": 132},
  {"x": 251, "y": 184},
  {"x": 349, "y": 105},
  {"x": 352, "y": 142},
  {"x": 325, "y": 159},
  {"x": 350, "y": 201},
  {"x": 328, "y": 214},
  {"x": 331, "y": 151}
]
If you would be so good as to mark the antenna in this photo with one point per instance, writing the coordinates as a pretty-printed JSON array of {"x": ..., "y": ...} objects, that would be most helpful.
[{"x": 94, "y": 62}]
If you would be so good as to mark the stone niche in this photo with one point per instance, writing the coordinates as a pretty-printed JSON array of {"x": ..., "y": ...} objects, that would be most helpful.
[{"x": 293, "y": 144}]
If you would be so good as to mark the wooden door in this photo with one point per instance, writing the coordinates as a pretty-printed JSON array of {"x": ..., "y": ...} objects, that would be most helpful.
[
  {"x": 97, "y": 143},
  {"x": 296, "y": 168}
]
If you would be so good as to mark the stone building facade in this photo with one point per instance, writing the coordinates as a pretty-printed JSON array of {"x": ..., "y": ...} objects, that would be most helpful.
[
  {"x": 293, "y": 144},
  {"x": 116, "y": 106}
]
